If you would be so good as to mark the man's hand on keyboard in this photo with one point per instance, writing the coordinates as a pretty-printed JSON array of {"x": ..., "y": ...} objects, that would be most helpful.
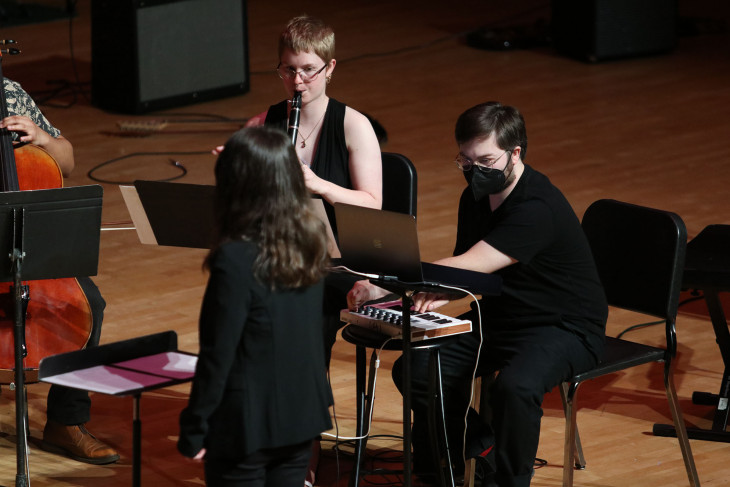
[{"x": 423, "y": 302}]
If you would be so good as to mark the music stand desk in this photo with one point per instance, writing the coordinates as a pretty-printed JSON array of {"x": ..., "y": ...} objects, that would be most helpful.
[
  {"x": 125, "y": 368},
  {"x": 707, "y": 268},
  {"x": 46, "y": 234}
]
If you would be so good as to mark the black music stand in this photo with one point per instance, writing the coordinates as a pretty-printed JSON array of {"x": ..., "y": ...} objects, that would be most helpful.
[
  {"x": 125, "y": 368},
  {"x": 707, "y": 268},
  {"x": 172, "y": 214},
  {"x": 47, "y": 234},
  {"x": 479, "y": 283},
  {"x": 183, "y": 215}
]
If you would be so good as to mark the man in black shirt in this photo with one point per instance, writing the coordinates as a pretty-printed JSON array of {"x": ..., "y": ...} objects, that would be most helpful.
[{"x": 546, "y": 325}]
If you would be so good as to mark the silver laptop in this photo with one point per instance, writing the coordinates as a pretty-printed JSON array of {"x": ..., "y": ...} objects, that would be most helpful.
[
  {"x": 378, "y": 242},
  {"x": 386, "y": 243}
]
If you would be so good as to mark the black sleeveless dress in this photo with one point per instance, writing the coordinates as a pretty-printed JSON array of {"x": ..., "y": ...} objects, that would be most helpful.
[
  {"x": 331, "y": 159},
  {"x": 332, "y": 163}
]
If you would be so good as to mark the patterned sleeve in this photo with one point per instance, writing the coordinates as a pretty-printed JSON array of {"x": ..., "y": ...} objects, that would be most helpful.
[{"x": 20, "y": 103}]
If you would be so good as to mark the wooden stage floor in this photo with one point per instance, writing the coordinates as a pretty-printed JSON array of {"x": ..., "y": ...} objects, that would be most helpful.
[{"x": 649, "y": 130}]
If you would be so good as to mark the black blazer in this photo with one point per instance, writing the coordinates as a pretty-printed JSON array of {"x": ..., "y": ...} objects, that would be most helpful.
[{"x": 261, "y": 380}]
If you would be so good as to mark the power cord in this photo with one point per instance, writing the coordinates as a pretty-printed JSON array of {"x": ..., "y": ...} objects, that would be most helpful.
[
  {"x": 423, "y": 45},
  {"x": 337, "y": 439},
  {"x": 175, "y": 163},
  {"x": 476, "y": 365},
  {"x": 366, "y": 434},
  {"x": 64, "y": 86},
  {"x": 696, "y": 296}
]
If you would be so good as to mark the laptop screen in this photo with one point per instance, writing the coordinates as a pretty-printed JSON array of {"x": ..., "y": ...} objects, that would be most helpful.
[
  {"x": 386, "y": 243},
  {"x": 379, "y": 242}
]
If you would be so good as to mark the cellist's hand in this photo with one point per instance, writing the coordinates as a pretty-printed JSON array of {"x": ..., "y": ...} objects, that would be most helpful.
[
  {"x": 28, "y": 131},
  {"x": 58, "y": 147}
]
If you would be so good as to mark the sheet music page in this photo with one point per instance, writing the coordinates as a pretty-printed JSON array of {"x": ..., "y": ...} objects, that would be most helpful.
[
  {"x": 106, "y": 379},
  {"x": 139, "y": 217},
  {"x": 130, "y": 375},
  {"x": 318, "y": 206},
  {"x": 175, "y": 365}
]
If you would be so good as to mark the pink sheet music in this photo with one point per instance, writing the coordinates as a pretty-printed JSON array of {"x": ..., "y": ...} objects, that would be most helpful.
[
  {"x": 130, "y": 375},
  {"x": 169, "y": 364}
]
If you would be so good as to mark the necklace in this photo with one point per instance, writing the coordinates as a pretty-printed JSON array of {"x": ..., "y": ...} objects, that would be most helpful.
[{"x": 304, "y": 139}]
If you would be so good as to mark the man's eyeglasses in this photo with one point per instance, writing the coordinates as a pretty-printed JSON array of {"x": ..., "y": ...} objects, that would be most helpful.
[
  {"x": 482, "y": 163},
  {"x": 306, "y": 74}
]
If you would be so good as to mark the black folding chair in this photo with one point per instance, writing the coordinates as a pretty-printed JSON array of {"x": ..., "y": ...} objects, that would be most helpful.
[
  {"x": 400, "y": 184},
  {"x": 640, "y": 254}
]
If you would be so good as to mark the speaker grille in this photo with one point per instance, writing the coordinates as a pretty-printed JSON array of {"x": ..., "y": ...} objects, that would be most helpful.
[
  {"x": 154, "y": 54},
  {"x": 185, "y": 48}
]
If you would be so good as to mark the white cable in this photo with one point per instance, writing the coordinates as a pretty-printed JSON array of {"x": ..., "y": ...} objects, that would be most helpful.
[
  {"x": 476, "y": 366},
  {"x": 337, "y": 437},
  {"x": 347, "y": 269}
]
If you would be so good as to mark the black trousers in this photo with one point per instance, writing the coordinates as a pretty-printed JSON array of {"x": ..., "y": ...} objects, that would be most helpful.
[
  {"x": 530, "y": 362},
  {"x": 71, "y": 406},
  {"x": 284, "y": 466}
]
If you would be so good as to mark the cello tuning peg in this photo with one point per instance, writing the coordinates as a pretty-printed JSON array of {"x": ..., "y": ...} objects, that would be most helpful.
[{"x": 7, "y": 41}]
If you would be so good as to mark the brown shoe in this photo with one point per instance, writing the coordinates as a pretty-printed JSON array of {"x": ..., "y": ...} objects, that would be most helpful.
[{"x": 76, "y": 442}]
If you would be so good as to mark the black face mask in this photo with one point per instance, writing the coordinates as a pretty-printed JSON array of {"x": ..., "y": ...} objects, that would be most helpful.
[{"x": 487, "y": 182}]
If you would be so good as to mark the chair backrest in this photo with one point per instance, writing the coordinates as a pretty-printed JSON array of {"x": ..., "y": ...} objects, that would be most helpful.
[
  {"x": 639, "y": 253},
  {"x": 400, "y": 184}
]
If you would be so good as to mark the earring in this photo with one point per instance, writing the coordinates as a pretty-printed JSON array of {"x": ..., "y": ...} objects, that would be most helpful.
[{"x": 329, "y": 78}]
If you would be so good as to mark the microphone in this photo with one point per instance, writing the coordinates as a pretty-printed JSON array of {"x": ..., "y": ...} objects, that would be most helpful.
[{"x": 296, "y": 106}]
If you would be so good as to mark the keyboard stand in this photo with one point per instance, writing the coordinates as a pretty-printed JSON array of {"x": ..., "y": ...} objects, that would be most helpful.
[
  {"x": 407, "y": 298},
  {"x": 364, "y": 337}
]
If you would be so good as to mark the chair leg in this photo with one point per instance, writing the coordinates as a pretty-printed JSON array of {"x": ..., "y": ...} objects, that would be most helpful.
[
  {"x": 569, "y": 391},
  {"x": 579, "y": 459},
  {"x": 470, "y": 473},
  {"x": 679, "y": 426}
]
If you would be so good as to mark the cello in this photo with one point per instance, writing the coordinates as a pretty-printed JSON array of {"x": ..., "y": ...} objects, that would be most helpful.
[{"x": 57, "y": 315}]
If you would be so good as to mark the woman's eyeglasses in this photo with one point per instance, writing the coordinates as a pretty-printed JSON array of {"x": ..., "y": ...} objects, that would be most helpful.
[{"x": 306, "y": 74}]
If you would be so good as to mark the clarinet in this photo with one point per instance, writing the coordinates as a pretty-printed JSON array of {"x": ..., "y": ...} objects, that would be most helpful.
[{"x": 296, "y": 106}]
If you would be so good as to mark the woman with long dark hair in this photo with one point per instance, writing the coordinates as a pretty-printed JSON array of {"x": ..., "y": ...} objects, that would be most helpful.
[{"x": 260, "y": 393}]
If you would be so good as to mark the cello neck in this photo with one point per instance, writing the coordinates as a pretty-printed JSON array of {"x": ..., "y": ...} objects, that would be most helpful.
[{"x": 8, "y": 171}]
